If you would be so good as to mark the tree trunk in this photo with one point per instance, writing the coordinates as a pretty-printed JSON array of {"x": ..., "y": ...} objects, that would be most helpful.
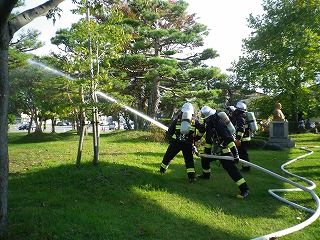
[
  {"x": 4, "y": 98},
  {"x": 6, "y": 33},
  {"x": 38, "y": 122},
  {"x": 82, "y": 128},
  {"x": 154, "y": 99},
  {"x": 53, "y": 122}
]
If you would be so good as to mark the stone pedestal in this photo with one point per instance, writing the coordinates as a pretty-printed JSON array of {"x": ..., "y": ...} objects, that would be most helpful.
[{"x": 279, "y": 134}]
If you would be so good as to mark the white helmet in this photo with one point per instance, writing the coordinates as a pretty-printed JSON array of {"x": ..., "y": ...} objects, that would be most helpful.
[
  {"x": 230, "y": 108},
  {"x": 187, "y": 107},
  {"x": 241, "y": 106},
  {"x": 207, "y": 112}
]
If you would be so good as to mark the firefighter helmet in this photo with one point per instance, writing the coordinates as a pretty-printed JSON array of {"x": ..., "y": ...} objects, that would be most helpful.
[
  {"x": 187, "y": 107},
  {"x": 230, "y": 109},
  {"x": 241, "y": 106},
  {"x": 207, "y": 112}
]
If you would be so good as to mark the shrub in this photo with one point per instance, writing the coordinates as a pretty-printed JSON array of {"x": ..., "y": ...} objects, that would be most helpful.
[
  {"x": 262, "y": 134},
  {"x": 157, "y": 134},
  {"x": 257, "y": 143}
]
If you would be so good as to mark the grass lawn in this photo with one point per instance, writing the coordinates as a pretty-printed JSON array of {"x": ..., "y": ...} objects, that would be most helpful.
[{"x": 125, "y": 197}]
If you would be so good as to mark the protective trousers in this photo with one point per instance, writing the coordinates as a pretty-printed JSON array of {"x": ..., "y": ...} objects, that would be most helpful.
[
  {"x": 186, "y": 148},
  {"x": 243, "y": 154},
  {"x": 243, "y": 150},
  {"x": 231, "y": 169}
]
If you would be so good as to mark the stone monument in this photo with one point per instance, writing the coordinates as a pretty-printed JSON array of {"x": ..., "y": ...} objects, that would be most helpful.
[{"x": 279, "y": 129}]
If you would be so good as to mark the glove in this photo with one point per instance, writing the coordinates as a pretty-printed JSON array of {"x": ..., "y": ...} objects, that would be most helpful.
[
  {"x": 195, "y": 150},
  {"x": 236, "y": 160},
  {"x": 238, "y": 142}
]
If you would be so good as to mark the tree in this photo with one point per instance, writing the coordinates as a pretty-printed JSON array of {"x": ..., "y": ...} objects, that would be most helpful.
[
  {"x": 282, "y": 55},
  {"x": 163, "y": 31},
  {"x": 89, "y": 45},
  {"x": 39, "y": 93},
  {"x": 8, "y": 27}
]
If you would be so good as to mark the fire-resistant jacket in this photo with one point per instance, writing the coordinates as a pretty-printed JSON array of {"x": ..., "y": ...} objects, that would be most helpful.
[
  {"x": 218, "y": 138},
  {"x": 196, "y": 131},
  {"x": 241, "y": 125}
]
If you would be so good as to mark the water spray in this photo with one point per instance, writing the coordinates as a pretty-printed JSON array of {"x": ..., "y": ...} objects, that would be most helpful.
[
  {"x": 54, "y": 71},
  {"x": 315, "y": 213},
  {"x": 132, "y": 110},
  {"x": 57, "y": 72}
]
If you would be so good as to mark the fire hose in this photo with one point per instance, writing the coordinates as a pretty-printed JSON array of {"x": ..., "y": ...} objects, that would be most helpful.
[{"x": 315, "y": 213}]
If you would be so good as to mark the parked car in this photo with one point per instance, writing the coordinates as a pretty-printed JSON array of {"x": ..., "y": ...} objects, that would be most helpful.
[
  {"x": 24, "y": 127},
  {"x": 61, "y": 124},
  {"x": 112, "y": 126}
]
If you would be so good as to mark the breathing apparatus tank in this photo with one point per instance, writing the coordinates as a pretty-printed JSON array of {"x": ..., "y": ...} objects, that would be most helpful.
[
  {"x": 227, "y": 121},
  {"x": 186, "y": 122},
  {"x": 252, "y": 123},
  {"x": 187, "y": 112}
]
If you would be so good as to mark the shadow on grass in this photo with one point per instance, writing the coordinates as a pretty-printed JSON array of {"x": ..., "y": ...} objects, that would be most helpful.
[
  {"x": 119, "y": 136},
  {"x": 37, "y": 137},
  {"x": 116, "y": 201},
  {"x": 111, "y": 201}
]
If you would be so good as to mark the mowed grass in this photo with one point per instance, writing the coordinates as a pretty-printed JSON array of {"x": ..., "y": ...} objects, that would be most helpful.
[{"x": 125, "y": 196}]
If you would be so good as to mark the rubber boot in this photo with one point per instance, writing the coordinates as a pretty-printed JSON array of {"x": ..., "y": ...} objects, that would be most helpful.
[
  {"x": 191, "y": 176},
  {"x": 204, "y": 175},
  {"x": 162, "y": 170},
  {"x": 244, "y": 191},
  {"x": 243, "y": 194}
]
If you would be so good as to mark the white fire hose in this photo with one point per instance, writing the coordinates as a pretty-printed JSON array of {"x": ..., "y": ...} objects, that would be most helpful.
[{"x": 315, "y": 214}]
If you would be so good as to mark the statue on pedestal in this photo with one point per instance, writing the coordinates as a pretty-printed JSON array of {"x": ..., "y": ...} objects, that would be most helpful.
[
  {"x": 279, "y": 130},
  {"x": 277, "y": 113}
]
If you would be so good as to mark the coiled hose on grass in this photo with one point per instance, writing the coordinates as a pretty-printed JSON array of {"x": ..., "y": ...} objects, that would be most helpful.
[{"x": 315, "y": 213}]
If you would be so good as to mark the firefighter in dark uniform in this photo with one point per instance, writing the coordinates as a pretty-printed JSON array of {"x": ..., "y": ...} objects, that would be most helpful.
[
  {"x": 219, "y": 141},
  {"x": 229, "y": 111},
  {"x": 182, "y": 133},
  {"x": 243, "y": 134}
]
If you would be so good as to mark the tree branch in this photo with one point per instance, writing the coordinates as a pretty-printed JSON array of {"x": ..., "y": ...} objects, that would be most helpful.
[{"x": 27, "y": 16}]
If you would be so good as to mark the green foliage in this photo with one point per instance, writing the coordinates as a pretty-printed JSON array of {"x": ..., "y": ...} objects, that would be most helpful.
[
  {"x": 11, "y": 118},
  {"x": 282, "y": 54},
  {"x": 263, "y": 106},
  {"x": 157, "y": 134},
  {"x": 209, "y": 98},
  {"x": 92, "y": 43},
  {"x": 27, "y": 41},
  {"x": 161, "y": 29},
  {"x": 257, "y": 143},
  {"x": 39, "y": 93},
  {"x": 24, "y": 42},
  {"x": 16, "y": 58}
]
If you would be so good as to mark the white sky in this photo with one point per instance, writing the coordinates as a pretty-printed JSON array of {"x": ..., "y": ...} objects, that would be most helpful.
[{"x": 226, "y": 20}]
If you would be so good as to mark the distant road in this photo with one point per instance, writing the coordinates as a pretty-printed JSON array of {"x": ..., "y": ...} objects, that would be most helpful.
[
  {"x": 14, "y": 128},
  {"x": 58, "y": 129}
]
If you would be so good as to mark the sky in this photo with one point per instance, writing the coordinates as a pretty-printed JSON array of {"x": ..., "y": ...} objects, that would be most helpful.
[{"x": 226, "y": 19}]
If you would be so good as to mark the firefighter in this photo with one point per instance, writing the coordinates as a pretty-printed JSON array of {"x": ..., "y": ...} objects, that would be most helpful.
[
  {"x": 243, "y": 134},
  {"x": 219, "y": 141},
  {"x": 182, "y": 134},
  {"x": 230, "y": 110}
]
